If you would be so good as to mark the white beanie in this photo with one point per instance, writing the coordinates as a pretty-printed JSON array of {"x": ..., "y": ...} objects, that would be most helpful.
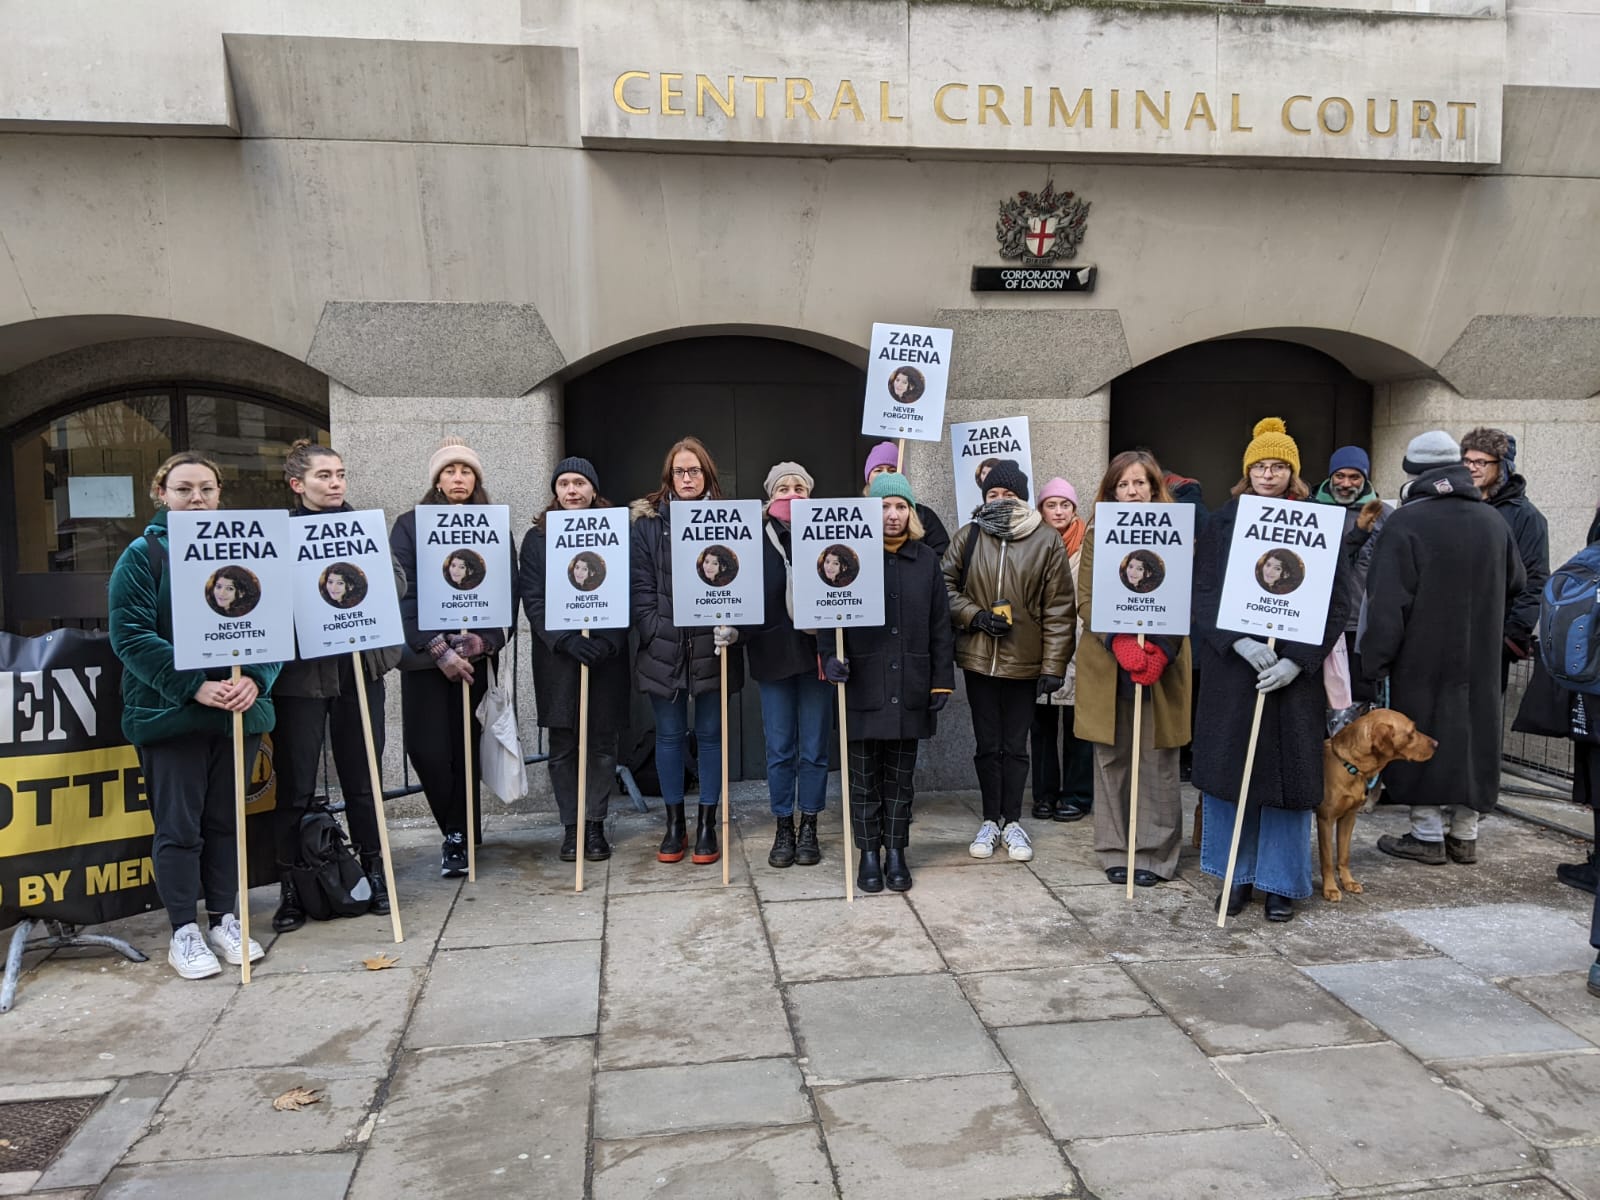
[
  {"x": 1436, "y": 448},
  {"x": 454, "y": 450}
]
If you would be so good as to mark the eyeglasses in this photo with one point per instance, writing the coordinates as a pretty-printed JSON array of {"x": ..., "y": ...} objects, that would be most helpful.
[
  {"x": 1269, "y": 468},
  {"x": 184, "y": 493},
  {"x": 1479, "y": 463},
  {"x": 687, "y": 472}
]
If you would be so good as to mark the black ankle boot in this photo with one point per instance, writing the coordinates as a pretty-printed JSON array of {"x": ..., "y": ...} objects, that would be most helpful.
[
  {"x": 676, "y": 840},
  {"x": 869, "y": 876},
  {"x": 290, "y": 916},
  {"x": 806, "y": 851},
  {"x": 372, "y": 865},
  {"x": 569, "y": 843},
  {"x": 1279, "y": 908},
  {"x": 1237, "y": 898},
  {"x": 595, "y": 846},
  {"x": 705, "y": 837},
  {"x": 782, "y": 853},
  {"x": 896, "y": 871}
]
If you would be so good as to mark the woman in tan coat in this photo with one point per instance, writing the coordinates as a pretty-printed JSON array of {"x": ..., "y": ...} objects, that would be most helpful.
[{"x": 1108, "y": 668}]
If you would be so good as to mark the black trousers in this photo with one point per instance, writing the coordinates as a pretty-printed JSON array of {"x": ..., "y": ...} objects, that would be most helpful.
[
  {"x": 881, "y": 792},
  {"x": 431, "y": 725},
  {"x": 1063, "y": 767},
  {"x": 297, "y": 739},
  {"x": 602, "y": 772},
  {"x": 189, "y": 782},
  {"x": 1002, "y": 715}
]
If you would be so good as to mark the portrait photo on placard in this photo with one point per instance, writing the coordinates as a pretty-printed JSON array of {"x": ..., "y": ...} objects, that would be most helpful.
[
  {"x": 907, "y": 384},
  {"x": 343, "y": 585},
  {"x": 232, "y": 591},
  {"x": 838, "y": 566},
  {"x": 586, "y": 571},
  {"x": 1280, "y": 571},
  {"x": 1142, "y": 571},
  {"x": 718, "y": 566},
  {"x": 464, "y": 570}
]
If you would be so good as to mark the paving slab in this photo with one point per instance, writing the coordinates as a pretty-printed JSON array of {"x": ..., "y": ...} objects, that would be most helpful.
[
  {"x": 324, "y": 1020},
  {"x": 902, "y": 1027},
  {"x": 1064, "y": 854},
  {"x": 1562, "y": 998},
  {"x": 941, "y": 832},
  {"x": 305, "y": 1177},
  {"x": 1350, "y": 931},
  {"x": 828, "y": 939},
  {"x": 1240, "y": 1005},
  {"x": 1041, "y": 995},
  {"x": 1164, "y": 923},
  {"x": 634, "y": 868},
  {"x": 482, "y": 1121},
  {"x": 1533, "y": 1187},
  {"x": 1551, "y": 1101},
  {"x": 529, "y": 859},
  {"x": 230, "y": 1114},
  {"x": 1104, "y": 1078},
  {"x": 507, "y": 994},
  {"x": 519, "y": 912},
  {"x": 1579, "y": 1168},
  {"x": 730, "y": 1095},
  {"x": 1438, "y": 1009},
  {"x": 689, "y": 978},
  {"x": 757, "y": 1164},
  {"x": 337, "y": 945},
  {"x": 1007, "y": 919},
  {"x": 105, "y": 1137},
  {"x": 1503, "y": 939},
  {"x": 1372, "y": 1115},
  {"x": 1262, "y": 1164}
]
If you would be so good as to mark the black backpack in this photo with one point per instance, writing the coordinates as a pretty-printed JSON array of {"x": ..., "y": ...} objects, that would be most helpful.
[{"x": 329, "y": 878}]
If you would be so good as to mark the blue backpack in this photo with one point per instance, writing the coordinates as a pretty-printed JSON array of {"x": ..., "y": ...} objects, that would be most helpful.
[{"x": 1569, "y": 617}]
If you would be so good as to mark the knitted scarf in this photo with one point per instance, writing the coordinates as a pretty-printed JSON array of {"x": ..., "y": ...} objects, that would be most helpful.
[
  {"x": 1007, "y": 519},
  {"x": 1072, "y": 536}
]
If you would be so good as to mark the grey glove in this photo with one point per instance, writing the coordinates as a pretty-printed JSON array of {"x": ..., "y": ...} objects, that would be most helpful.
[
  {"x": 1258, "y": 654},
  {"x": 722, "y": 636},
  {"x": 1279, "y": 674}
]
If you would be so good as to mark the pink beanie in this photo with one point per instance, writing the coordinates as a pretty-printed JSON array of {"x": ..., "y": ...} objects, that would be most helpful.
[
  {"x": 1059, "y": 487},
  {"x": 884, "y": 454}
]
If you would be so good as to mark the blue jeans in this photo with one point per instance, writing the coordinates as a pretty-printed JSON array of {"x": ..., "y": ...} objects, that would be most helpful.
[
  {"x": 672, "y": 728},
  {"x": 1274, "y": 847},
  {"x": 797, "y": 716}
]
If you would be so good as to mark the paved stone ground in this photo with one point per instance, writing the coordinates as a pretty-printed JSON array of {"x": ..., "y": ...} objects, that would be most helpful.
[{"x": 1003, "y": 1030}]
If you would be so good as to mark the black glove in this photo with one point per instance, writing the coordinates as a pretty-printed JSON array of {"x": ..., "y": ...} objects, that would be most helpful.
[
  {"x": 835, "y": 670},
  {"x": 937, "y": 701},
  {"x": 591, "y": 652},
  {"x": 991, "y": 623},
  {"x": 1049, "y": 684}
]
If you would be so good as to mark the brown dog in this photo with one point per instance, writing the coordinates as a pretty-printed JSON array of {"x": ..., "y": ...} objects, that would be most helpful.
[{"x": 1368, "y": 744}]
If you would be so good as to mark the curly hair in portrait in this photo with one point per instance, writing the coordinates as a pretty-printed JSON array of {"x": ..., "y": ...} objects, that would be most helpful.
[
  {"x": 232, "y": 591},
  {"x": 906, "y": 385},
  {"x": 984, "y": 468},
  {"x": 1143, "y": 571},
  {"x": 343, "y": 585},
  {"x": 717, "y": 566},
  {"x": 838, "y": 566},
  {"x": 1280, "y": 571},
  {"x": 465, "y": 569},
  {"x": 586, "y": 571}
]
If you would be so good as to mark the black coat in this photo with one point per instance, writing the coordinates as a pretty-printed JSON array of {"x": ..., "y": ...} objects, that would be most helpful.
[
  {"x": 1288, "y": 763},
  {"x": 555, "y": 671},
  {"x": 403, "y": 546},
  {"x": 934, "y": 535},
  {"x": 1442, "y": 576},
  {"x": 670, "y": 659},
  {"x": 1532, "y": 535},
  {"x": 776, "y": 649},
  {"x": 895, "y": 666}
]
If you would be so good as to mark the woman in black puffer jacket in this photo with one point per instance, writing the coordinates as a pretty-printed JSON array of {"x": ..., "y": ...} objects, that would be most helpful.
[{"x": 675, "y": 664}]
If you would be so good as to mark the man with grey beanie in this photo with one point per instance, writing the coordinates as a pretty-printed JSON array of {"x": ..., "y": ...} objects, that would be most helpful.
[{"x": 1444, "y": 569}]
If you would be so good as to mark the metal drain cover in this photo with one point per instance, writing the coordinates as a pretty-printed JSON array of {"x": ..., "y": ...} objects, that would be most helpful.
[{"x": 32, "y": 1132}]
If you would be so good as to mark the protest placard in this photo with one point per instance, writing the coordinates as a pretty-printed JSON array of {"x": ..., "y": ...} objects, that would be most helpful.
[
  {"x": 1143, "y": 568},
  {"x": 838, "y": 562},
  {"x": 232, "y": 587},
  {"x": 717, "y": 549},
  {"x": 1281, "y": 565},
  {"x": 908, "y": 371},
  {"x": 463, "y": 566},
  {"x": 975, "y": 446},
  {"x": 586, "y": 569},
  {"x": 344, "y": 594}
]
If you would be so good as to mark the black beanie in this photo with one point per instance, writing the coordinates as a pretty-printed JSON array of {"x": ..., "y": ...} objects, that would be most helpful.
[
  {"x": 1006, "y": 474},
  {"x": 574, "y": 466}
]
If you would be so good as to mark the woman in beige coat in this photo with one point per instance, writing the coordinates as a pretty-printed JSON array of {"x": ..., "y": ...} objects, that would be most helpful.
[{"x": 1108, "y": 667}]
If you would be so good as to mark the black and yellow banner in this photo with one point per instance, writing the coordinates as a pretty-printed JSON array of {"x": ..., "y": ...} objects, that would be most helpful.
[{"x": 75, "y": 824}]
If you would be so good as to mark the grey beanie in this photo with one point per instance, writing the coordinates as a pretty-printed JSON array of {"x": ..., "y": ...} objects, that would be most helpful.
[
  {"x": 1436, "y": 448},
  {"x": 780, "y": 470}
]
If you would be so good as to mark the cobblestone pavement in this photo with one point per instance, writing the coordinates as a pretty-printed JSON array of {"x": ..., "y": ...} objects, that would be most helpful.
[{"x": 1002, "y": 1030}]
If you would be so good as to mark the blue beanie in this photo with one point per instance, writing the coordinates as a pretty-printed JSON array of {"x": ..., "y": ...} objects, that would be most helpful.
[
  {"x": 891, "y": 483},
  {"x": 1350, "y": 458}
]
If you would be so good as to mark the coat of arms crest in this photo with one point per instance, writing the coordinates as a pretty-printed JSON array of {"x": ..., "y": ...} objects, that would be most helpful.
[{"x": 1040, "y": 227}]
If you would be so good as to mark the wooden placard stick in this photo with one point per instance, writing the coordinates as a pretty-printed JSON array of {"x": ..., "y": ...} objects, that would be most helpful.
[
  {"x": 723, "y": 696},
  {"x": 239, "y": 781},
  {"x": 466, "y": 746},
  {"x": 583, "y": 765},
  {"x": 844, "y": 774},
  {"x": 1244, "y": 793},
  {"x": 900, "y": 457},
  {"x": 376, "y": 778},
  {"x": 1133, "y": 777}
]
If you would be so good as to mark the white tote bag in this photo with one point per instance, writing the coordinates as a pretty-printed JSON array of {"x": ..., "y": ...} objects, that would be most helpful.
[{"x": 499, "y": 747}]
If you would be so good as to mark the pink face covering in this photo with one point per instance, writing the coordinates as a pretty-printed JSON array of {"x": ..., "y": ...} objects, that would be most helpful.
[{"x": 779, "y": 508}]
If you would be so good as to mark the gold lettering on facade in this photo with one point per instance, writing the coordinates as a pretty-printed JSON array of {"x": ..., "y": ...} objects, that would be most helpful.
[
  {"x": 620, "y": 96},
  {"x": 1200, "y": 110},
  {"x": 1069, "y": 116},
  {"x": 1161, "y": 116},
  {"x": 883, "y": 103},
  {"x": 990, "y": 97},
  {"x": 670, "y": 93},
  {"x": 1422, "y": 115},
  {"x": 1289, "y": 124},
  {"x": 845, "y": 98},
  {"x": 798, "y": 95},
  {"x": 1234, "y": 126},
  {"x": 1027, "y": 106},
  {"x": 1460, "y": 108},
  {"x": 1334, "y": 116},
  {"x": 938, "y": 104},
  {"x": 1116, "y": 98},
  {"x": 1372, "y": 118},
  {"x": 703, "y": 87},
  {"x": 762, "y": 83}
]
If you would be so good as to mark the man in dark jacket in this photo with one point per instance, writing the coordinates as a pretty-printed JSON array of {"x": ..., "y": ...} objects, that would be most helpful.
[
  {"x": 1491, "y": 457},
  {"x": 1349, "y": 485},
  {"x": 1439, "y": 644}
]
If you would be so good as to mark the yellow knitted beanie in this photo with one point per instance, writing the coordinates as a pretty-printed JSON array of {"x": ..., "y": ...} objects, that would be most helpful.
[{"x": 1271, "y": 440}]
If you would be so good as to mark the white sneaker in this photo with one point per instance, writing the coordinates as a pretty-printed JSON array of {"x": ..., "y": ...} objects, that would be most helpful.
[
  {"x": 189, "y": 954},
  {"x": 983, "y": 845},
  {"x": 226, "y": 939},
  {"x": 1017, "y": 844}
]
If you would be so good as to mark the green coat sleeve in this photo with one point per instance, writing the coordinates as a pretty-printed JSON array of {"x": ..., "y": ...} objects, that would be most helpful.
[{"x": 136, "y": 638}]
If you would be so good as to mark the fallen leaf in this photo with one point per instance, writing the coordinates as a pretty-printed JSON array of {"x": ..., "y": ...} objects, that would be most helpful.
[
  {"x": 297, "y": 1098},
  {"x": 379, "y": 962}
]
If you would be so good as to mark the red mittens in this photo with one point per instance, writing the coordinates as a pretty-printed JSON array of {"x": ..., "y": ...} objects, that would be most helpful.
[
  {"x": 1128, "y": 654},
  {"x": 1155, "y": 662}
]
